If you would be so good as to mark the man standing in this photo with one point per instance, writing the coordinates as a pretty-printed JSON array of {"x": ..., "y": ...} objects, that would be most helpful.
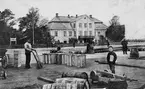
[
  {"x": 111, "y": 59},
  {"x": 28, "y": 49},
  {"x": 107, "y": 42},
  {"x": 124, "y": 46},
  {"x": 74, "y": 43}
]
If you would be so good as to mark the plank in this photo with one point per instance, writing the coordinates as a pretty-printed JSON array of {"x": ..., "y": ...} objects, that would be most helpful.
[{"x": 45, "y": 79}]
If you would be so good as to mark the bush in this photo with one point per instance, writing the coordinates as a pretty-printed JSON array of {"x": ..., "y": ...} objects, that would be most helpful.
[{"x": 72, "y": 40}]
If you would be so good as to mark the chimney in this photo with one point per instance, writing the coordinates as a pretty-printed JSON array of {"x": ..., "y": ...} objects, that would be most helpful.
[
  {"x": 56, "y": 14},
  {"x": 68, "y": 16},
  {"x": 76, "y": 15},
  {"x": 90, "y": 16}
]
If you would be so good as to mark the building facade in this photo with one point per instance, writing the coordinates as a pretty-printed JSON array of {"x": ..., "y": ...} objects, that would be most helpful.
[{"x": 81, "y": 27}]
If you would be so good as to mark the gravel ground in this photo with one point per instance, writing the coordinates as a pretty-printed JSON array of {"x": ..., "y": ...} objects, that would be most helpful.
[{"x": 21, "y": 77}]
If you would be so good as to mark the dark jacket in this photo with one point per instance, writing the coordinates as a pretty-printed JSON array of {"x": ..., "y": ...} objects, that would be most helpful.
[
  {"x": 124, "y": 43},
  {"x": 108, "y": 57}
]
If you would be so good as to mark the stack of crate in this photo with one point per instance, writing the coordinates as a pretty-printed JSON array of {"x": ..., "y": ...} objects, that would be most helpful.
[
  {"x": 68, "y": 83},
  {"x": 14, "y": 59},
  {"x": 69, "y": 59}
]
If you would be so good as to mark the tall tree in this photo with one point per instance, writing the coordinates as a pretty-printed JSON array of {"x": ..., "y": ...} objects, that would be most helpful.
[
  {"x": 115, "y": 32},
  {"x": 7, "y": 22},
  {"x": 29, "y": 22},
  {"x": 115, "y": 20},
  {"x": 43, "y": 22}
]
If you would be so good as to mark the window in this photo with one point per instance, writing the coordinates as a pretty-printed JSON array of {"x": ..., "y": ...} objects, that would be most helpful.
[
  {"x": 80, "y": 33},
  {"x": 98, "y": 33},
  {"x": 65, "y": 34},
  {"x": 74, "y": 25},
  {"x": 56, "y": 33},
  {"x": 90, "y": 33},
  {"x": 90, "y": 25},
  {"x": 85, "y": 25},
  {"x": 74, "y": 33},
  {"x": 85, "y": 33},
  {"x": 80, "y": 25},
  {"x": 70, "y": 33}
]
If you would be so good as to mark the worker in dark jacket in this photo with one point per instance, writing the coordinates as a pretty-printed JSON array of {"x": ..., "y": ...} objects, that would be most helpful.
[
  {"x": 111, "y": 59},
  {"x": 124, "y": 46}
]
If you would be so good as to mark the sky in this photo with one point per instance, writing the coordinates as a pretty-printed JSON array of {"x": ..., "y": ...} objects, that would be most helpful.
[{"x": 130, "y": 12}]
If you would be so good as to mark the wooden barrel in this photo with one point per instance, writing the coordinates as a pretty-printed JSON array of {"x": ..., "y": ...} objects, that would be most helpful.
[
  {"x": 117, "y": 84},
  {"x": 58, "y": 58},
  {"x": 134, "y": 53},
  {"x": 45, "y": 58},
  {"x": 52, "y": 59},
  {"x": 94, "y": 76},
  {"x": 63, "y": 58},
  {"x": 82, "y": 75}
]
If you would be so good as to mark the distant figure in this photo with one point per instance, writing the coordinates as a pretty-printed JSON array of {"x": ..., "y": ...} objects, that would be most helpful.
[
  {"x": 124, "y": 46},
  {"x": 90, "y": 48},
  {"x": 28, "y": 50},
  {"x": 58, "y": 49},
  {"x": 111, "y": 59},
  {"x": 108, "y": 44},
  {"x": 74, "y": 44}
]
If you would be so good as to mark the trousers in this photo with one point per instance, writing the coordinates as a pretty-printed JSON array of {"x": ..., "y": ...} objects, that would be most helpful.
[
  {"x": 28, "y": 59},
  {"x": 112, "y": 67}
]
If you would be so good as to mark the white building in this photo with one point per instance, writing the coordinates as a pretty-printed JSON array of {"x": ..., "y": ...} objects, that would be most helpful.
[{"x": 81, "y": 27}]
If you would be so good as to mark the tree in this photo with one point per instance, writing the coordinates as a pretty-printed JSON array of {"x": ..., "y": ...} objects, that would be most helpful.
[
  {"x": 7, "y": 22},
  {"x": 43, "y": 22},
  {"x": 29, "y": 22},
  {"x": 115, "y": 20},
  {"x": 32, "y": 22},
  {"x": 115, "y": 32}
]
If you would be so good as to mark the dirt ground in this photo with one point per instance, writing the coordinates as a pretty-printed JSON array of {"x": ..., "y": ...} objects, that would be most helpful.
[{"x": 21, "y": 77}]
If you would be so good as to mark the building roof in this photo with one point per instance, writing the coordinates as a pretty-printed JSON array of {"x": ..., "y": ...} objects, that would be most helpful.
[
  {"x": 72, "y": 18},
  {"x": 100, "y": 26},
  {"x": 60, "y": 26},
  {"x": 65, "y": 22},
  {"x": 63, "y": 19}
]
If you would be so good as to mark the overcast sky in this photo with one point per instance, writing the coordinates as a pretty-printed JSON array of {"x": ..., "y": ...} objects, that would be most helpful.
[{"x": 131, "y": 12}]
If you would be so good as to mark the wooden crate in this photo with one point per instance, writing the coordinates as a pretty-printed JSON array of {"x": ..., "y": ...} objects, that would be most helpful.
[
  {"x": 14, "y": 59},
  {"x": 73, "y": 83},
  {"x": 69, "y": 59},
  {"x": 49, "y": 58},
  {"x": 79, "y": 60}
]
